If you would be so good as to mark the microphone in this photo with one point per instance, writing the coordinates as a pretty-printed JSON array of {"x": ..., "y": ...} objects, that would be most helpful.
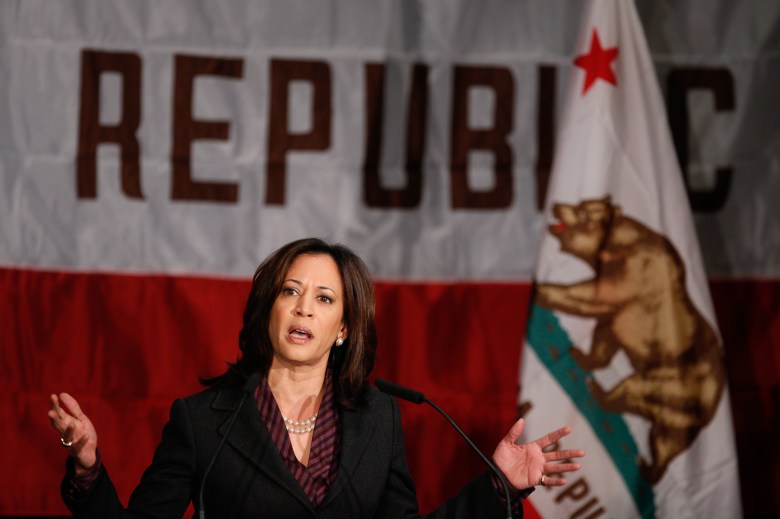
[
  {"x": 247, "y": 388},
  {"x": 418, "y": 398}
]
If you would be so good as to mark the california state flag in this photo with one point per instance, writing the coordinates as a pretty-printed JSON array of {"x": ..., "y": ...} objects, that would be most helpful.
[{"x": 622, "y": 342}]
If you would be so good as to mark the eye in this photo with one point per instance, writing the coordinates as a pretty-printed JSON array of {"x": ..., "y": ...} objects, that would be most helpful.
[
  {"x": 325, "y": 299},
  {"x": 289, "y": 291}
]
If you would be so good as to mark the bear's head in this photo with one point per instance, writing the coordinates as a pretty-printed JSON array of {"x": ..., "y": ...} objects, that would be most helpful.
[{"x": 583, "y": 228}]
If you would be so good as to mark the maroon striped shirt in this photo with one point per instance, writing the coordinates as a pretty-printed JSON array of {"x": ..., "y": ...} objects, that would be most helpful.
[{"x": 316, "y": 478}]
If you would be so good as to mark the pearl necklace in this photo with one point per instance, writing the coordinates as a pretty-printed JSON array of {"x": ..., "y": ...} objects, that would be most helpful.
[{"x": 299, "y": 427}]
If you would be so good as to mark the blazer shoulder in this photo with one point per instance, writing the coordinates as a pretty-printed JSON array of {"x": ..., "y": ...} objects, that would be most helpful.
[
  {"x": 225, "y": 396},
  {"x": 375, "y": 398},
  {"x": 380, "y": 406}
]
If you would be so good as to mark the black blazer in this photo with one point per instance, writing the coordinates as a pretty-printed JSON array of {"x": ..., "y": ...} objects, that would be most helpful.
[{"x": 250, "y": 480}]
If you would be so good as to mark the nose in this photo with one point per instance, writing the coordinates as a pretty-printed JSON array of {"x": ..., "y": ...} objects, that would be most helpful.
[{"x": 303, "y": 307}]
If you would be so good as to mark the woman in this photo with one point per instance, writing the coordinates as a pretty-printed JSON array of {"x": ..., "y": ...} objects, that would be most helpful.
[{"x": 313, "y": 439}]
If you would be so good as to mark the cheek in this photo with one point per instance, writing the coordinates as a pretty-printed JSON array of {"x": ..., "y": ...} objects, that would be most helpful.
[
  {"x": 339, "y": 319},
  {"x": 275, "y": 321}
]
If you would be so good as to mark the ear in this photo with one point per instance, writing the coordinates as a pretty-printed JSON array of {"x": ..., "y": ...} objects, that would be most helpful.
[{"x": 343, "y": 331}]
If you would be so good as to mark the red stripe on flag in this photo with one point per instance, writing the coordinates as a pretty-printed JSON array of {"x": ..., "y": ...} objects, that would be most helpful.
[{"x": 127, "y": 345}]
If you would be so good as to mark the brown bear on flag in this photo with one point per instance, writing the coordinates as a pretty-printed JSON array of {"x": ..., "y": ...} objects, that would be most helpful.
[{"x": 641, "y": 307}]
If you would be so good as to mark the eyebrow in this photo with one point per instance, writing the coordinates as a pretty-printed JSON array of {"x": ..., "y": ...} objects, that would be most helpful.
[{"x": 321, "y": 287}]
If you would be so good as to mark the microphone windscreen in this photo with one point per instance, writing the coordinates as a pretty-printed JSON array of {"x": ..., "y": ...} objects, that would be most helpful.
[{"x": 400, "y": 391}]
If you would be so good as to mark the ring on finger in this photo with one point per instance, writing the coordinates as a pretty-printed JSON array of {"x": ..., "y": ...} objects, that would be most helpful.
[
  {"x": 542, "y": 480},
  {"x": 66, "y": 444}
]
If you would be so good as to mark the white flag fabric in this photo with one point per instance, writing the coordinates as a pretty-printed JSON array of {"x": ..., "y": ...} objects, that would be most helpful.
[{"x": 622, "y": 341}]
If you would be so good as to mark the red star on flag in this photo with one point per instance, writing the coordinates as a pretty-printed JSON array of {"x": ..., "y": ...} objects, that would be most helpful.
[{"x": 597, "y": 63}]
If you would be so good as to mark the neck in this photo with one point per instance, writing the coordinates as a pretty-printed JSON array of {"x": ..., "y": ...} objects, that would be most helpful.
[{"x": 298, "y": 392}]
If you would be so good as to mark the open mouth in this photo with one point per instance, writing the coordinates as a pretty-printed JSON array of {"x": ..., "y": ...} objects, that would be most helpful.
[{"x": 300, "y": 333}]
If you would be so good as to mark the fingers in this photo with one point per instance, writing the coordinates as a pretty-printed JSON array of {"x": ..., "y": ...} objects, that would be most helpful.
[
  {"x": 516, "y": 430},
  {"x": 61, "y": 418},
  {"x": 563, "y": 455},
  {"x": 75, "y": 429},
  {"x": 560, "y": 468},
  {"x": 552, "y": 437},
  {"x": 554, "y": 471},
  {"x": 71, "y": 405},
  {"x": 551, "y": 481},
  {"x": 54, "y": 407},
  {"x": 57, "y": 416}
]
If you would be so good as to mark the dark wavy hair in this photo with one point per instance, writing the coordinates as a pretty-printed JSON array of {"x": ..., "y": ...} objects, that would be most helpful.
[{"x": 350, "y": 363}]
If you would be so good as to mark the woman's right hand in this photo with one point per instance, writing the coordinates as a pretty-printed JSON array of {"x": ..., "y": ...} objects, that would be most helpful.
[{"x": 73, "y": 426}]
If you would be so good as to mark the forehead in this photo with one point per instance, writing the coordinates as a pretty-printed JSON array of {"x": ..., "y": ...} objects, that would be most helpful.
[{"x": 319, "y": 269}]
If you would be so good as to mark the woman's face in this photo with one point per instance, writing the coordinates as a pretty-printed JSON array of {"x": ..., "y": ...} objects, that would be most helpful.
[{"x": 307, "y": 315}]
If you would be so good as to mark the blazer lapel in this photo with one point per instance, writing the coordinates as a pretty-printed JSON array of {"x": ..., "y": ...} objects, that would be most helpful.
[
  {"x": 357, "y": 431},
  {"x": 251, "y": 439}
]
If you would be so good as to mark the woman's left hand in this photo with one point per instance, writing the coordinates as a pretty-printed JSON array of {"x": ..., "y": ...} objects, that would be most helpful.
[{"x": 527, "y": 465}]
